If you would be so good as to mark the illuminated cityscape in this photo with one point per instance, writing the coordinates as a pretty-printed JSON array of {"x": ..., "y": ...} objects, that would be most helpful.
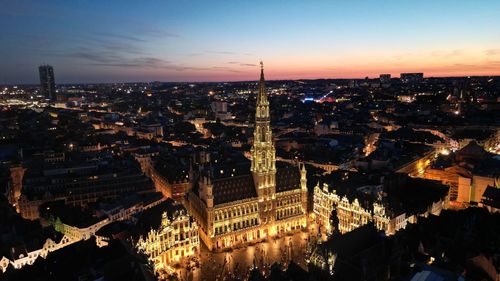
[
  {"x": 263, "y": 140},
  {"x": 234, "y": 207}
]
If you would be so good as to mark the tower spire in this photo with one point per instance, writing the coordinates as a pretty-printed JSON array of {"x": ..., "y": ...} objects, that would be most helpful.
[
  {"x": 263, "y": 155},
  {"x": 261, "y": 71},
  {"x": 261, "y": 97}
]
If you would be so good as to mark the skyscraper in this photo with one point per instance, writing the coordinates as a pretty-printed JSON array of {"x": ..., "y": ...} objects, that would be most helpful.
[{"x": 47, "y": 82}]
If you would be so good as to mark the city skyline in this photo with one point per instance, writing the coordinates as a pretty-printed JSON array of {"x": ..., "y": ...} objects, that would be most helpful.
[
  {"x": 200, "y": 42},
  {"x": 282, "y": 140}
]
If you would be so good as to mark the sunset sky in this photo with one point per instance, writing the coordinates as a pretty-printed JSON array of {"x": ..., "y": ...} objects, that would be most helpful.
[{"x": 181, "y": 40}]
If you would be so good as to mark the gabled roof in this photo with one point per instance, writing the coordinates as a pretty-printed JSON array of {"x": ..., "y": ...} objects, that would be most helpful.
[
  {"x": 236, "y": 182},
  {"x": 152, "y": 218},
  {"x": 471, "y": 151},
  {"x": 233, "y": 189},
  {"x": 491, "y": 197},
  {"x": 287, "y": 178}
]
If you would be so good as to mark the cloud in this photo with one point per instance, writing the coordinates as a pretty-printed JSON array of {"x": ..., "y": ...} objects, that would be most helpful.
[
  {"x": 116, "y": 50},
  {"x": 221, "y": 52},
  {"x": 225, "y": 68},
  {"x": 241, "y": 63},
  {"x": 465, "y": 65},
  {"x": 493, "y": 64},
  {"x": 119, "y": 36},
  {"x": 105, "y": 44},
  {"x": 447, "y": 53},
  {"x": 112, "y": 49},
  {"x": 159, "y": 33},
  {"x": 107, "y": 59},
  {"x": 124, "y": 43},
  {"x": 492, "y": 52},
  {"x": 94, "y": 56},
  {"x": 477, "y": 67},
  {"x": 193, "y": 54}
]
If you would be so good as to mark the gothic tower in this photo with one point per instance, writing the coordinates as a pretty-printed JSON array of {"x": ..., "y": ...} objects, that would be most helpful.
[{"x": 263, "y": 156}]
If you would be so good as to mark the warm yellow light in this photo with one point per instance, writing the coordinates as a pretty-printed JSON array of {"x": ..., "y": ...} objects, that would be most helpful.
[
  {"x": 444, "y": 151},
  {"x": 431, "y": 260}
]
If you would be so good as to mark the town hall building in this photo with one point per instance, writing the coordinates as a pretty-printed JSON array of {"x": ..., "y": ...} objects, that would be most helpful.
[{"x": 239, "y": 203}]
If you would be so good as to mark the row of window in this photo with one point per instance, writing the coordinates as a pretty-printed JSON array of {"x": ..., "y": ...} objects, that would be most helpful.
[
  {"x": 180, "y": 235},
  {"x": 288, "y": 201},
  {"x": 155, "y": 251},
  {"x": 236, "y": 226},
  {"x": 288, "y": 212},
  {"x": 221, "y": 215}
]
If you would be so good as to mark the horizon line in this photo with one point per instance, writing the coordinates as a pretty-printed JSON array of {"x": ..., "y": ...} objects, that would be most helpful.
[{"x": 242, "y": 81}]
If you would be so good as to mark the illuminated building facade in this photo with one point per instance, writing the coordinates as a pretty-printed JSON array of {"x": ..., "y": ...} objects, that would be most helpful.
[
  {"x": 24, "y": 255},
  {"x": 449, "y": 176},
  {"x": 175, "y": 184},
  {"x": 175, "y": 240},
  {"x": 175, "y": 189},
  {"x": 351, "y": 214},
  {"x": 383, "y": 205},
  {"x": 468, "y": 172},
  {"x": 234, "y": 207}
]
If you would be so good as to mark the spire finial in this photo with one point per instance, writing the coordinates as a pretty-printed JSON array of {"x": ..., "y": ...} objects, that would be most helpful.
[{"x": 262, "y": 73}]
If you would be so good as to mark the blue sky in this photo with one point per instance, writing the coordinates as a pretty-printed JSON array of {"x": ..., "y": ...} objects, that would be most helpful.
[{"x": 180, "y": 40}]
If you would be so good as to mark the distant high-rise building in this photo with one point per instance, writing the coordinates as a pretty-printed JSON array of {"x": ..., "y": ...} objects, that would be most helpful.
[
  {"x": 412, "y": 77},
  {"x": 385, "y": 78},
  {"x": 219, "y": 106},
  {"x": 47, "y": 82}
]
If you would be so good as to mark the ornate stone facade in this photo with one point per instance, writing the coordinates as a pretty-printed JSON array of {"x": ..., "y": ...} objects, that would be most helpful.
[
  {"x": 351, "y": 214},
  {"x": 234, "y": 209},
  {"x": 174, "y": 241}
]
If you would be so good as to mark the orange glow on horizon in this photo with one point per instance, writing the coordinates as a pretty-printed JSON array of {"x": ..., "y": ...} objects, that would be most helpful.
[
  {"x": 433, "y": 64},
  {"x": 478, "y": 61}
]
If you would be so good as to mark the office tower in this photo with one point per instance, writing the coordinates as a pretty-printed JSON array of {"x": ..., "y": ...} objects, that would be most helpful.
[
  {"x": 47, "y": 82},
  {"x": 412, "y": 77}
]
